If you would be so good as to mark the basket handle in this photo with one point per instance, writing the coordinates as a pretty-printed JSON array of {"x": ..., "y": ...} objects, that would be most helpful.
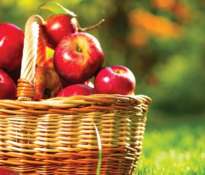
[{"x": 32, "y": 52}]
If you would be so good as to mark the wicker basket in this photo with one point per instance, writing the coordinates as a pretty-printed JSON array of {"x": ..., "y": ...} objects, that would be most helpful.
[{"x": 78, "y": 135}]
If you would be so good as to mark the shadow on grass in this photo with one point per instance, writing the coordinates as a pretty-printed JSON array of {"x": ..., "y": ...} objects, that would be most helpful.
[{"x": 162, "y": 121}]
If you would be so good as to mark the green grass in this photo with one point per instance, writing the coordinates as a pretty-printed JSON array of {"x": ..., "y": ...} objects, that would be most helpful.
[{"x": 173, "y": 146}]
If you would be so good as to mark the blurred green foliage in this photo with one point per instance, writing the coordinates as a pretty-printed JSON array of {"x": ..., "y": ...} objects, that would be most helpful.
[{"x": 162, "y": 42}]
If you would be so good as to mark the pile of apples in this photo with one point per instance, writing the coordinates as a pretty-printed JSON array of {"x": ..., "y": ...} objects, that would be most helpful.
[
  {"x": 77, "y": 61},
  {"x": 75, "y": 68}
]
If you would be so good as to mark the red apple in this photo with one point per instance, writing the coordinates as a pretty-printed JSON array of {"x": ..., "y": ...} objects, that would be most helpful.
[
  {"x": 7, "y": 171},
  {"x": 115, "y": 80},
  {"x": 7, "y": 86},
  {"x": 76, "y": 89},
  {"x": 78, "y": 57},
  {"x": 58, "y": 26},
  {"x": 11, "y": 46}
]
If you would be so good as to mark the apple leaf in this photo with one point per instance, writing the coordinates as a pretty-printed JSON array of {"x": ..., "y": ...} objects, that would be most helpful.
[
  {"x": 56, "y": 8},
  {"x": 49, "y": 52}
]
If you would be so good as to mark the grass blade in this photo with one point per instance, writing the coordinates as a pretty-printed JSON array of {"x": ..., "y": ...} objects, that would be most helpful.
[{"x": 98, "y": 170}]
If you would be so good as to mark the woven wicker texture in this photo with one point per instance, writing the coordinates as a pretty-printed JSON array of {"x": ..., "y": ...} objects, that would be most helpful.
[
  {"x": 57, "y": 136},
  {"x": 33, "y": 55},
  {"x": 60, "y": 136}
]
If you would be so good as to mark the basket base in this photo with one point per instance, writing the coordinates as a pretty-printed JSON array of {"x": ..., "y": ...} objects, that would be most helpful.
[{"x": 116, "y": 161}]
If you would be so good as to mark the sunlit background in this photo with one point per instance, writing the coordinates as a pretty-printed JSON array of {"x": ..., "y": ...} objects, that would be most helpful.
[{"x": 163, "y": 43}]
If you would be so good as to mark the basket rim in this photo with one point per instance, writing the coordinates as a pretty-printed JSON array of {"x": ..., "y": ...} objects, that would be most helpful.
[
  {"x": 76, "y": 104},
  {"x": 83, "y": 99}
]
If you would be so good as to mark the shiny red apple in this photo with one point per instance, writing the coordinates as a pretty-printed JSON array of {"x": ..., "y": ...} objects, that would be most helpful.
[
  {"x": 115, "y": 80},
  {"x": 78, "y": 57},
  {"x": 7, "y": 86},
  {"x": 7, "y": 171},
  {"x": 76, "y": 89},
  {"x": 11, "y": 46},
  {"x": 59, "y": 26}
]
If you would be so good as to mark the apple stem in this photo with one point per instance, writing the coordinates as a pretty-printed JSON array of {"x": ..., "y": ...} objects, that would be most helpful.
[{"x": 85, "y": 29}]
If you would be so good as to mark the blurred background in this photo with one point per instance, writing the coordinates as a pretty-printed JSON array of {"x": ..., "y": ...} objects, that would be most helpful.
[{"x": 163, "y": 43}]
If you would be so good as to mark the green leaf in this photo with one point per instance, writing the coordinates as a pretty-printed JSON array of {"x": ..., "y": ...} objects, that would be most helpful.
[
  {"x": 49, "y": 52},
  {"x": 56, "y": 8}
]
